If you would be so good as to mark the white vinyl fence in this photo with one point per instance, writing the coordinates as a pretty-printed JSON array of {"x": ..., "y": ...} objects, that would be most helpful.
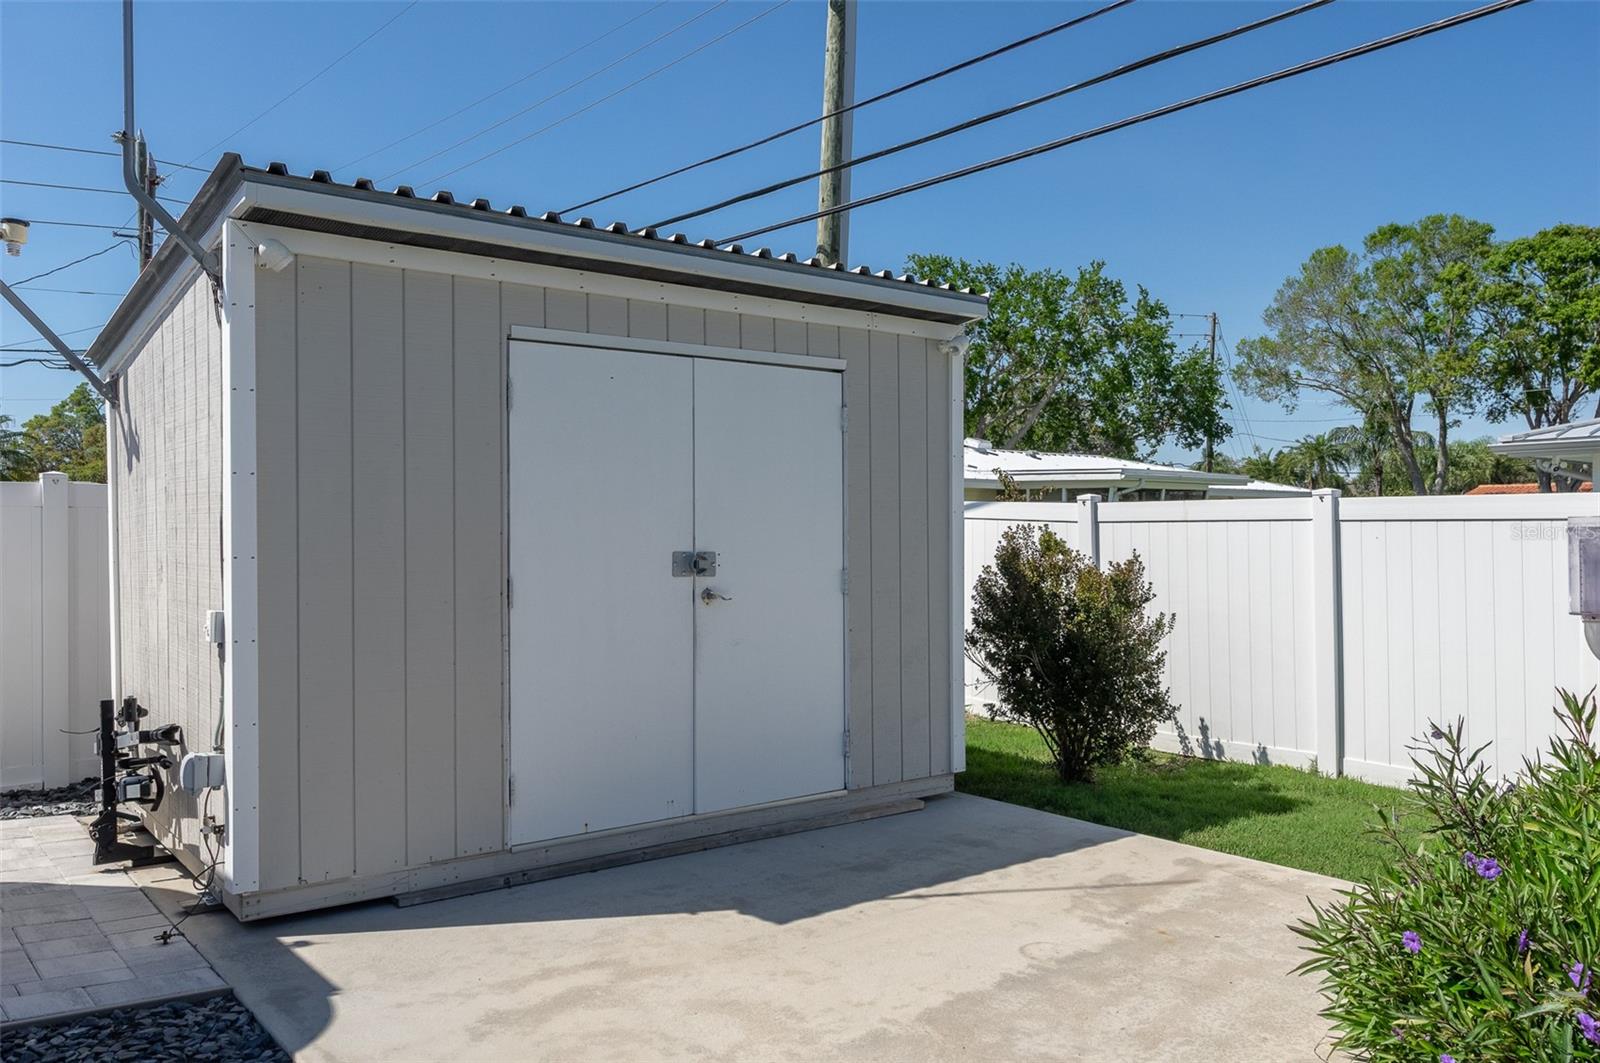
[
  {"x": 1331, "y": 631},
  {"x": 54, "y": 641}
]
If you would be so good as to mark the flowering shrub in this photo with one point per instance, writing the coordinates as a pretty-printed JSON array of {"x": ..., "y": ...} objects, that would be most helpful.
[{"x": 1480, "y": 943}]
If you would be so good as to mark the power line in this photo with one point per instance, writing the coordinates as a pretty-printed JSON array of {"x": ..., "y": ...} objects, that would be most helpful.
[
  {"x": 504, "y": 88},
  {"x": 1172, "y": 108},
  {"x": 73, "y": 291},
  {"x": 95, "y": 151},
  {"x": 78, "y": 188},
  {"x": 617, "y": 92},
  {"x": 48, "y": 363},
  {"x": 880, "y": 97},
  {"x": 68, "y": 265},
  {"x": 1004, "y": 112},
  {"x": 76, "y": 224},
  {"x": 559, "y": 92},
  {"x": 21, "y": 344},
  {"x": 300, "y": 87}
]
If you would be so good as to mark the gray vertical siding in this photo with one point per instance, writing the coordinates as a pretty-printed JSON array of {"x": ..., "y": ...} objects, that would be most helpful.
[
  {"x": 169, "y": 484},
  {"x": 382, "y": 564}
]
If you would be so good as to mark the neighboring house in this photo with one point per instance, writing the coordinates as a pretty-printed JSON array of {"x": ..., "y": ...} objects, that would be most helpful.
[
  {"x": 1516, "y": 489},
  {"x": 1063, "y": 477},
  {"x": 1566, "y": 450}
]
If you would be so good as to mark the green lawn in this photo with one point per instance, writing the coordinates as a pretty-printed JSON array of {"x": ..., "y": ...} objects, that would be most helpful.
[{"x": 1267, "y": 812}]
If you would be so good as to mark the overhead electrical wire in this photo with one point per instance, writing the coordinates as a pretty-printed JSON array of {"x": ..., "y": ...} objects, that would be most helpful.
[
  {"x": 302, "y": 86},
  {"x": 869, "y": 101},
  {"x": 1381, "y": 43},
  {"x": 1004, "y": 112},
  {"x": 65, "y": 265},
  {"x": 78, "y": 188},
  {"x": 504, "y": 88},
  {"x": 21, "y": 344},
  {"x": 491, "y": 127},
  {"x": 74, "y": 291},
  {"x": 97, "y": 151},
  {"x": 616, "y": 92},
  {"x": 77, "y": 224}
]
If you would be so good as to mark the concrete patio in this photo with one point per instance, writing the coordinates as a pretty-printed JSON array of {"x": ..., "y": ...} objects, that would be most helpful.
[{"x": 971, "y": 929}]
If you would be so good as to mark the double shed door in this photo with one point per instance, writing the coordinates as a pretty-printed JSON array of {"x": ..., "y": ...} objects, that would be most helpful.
[{"x": 638, "y": 694}]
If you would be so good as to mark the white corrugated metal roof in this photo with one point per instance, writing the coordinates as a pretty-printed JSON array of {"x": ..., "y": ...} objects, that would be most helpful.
[
  {"x": 1037, "y": 468},
  {"x": 1579, "y": 439}
]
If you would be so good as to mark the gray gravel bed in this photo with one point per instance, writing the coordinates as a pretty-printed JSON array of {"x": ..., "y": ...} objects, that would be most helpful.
[
  {"x": 75, "y": 799},
  {"x": 220, "y": 1029}
]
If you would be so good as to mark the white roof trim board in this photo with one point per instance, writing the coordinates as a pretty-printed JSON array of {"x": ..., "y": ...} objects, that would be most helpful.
[
  {"x": 272, "y": 195},
  {"x": 1576, "y": 439},
  {"x": 1041, "y": 469}
]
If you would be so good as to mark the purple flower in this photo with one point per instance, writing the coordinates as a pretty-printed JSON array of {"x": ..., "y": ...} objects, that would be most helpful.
[
  {"x": 1488, "y": 867},
  {"x": 1412, "y": 941},
  {"x": 1591, "y": 1030},
  {"x": 1469, "y": 858},
  {"x": 1580, "y": 979},
  {"x": 1436, "y": 732},
  {"x": 1522, "y": 941},
  {"x": 1446, "y": 1057},
  {"x": 1400, "y": 1033}
]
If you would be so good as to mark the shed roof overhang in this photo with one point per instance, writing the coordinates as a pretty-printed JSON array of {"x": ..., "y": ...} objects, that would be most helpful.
[
  {"x": 236, "y": 191},
  {"x": 1577, "y": 440}
]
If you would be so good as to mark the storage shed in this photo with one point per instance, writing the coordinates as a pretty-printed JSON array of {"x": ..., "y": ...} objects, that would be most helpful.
[{"x": 537, "y": 545}]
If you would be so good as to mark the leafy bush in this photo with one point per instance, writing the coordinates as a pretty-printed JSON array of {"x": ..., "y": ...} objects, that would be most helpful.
[
  {"x": 1482, "y": 942},
  {"x": 1070, "y": 649}
]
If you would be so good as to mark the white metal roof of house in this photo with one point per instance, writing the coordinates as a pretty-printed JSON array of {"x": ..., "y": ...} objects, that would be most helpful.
[
  {"x": 1043, "y": 469},
  {"x": 1575, "y": 439}
]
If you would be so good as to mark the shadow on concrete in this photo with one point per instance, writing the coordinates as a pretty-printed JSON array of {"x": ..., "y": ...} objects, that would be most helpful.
[{"x": 917, "y": 857}]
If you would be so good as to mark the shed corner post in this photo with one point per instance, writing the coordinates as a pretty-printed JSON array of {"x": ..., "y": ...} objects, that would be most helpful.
[
  {"x": 957, "y": 350},
  {"x": 1327, "y": 632},
  {"x": 241, "y": 668},
  {"x": 55, "y": 634}
]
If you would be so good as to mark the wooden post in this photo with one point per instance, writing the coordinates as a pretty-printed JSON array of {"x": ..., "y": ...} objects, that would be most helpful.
[
  {"x": 1089, "y": 527},
  {"x": 55, "y": 617},
  {"x": 838, "y": 92},
  {"x": 1327, "y": 621}
]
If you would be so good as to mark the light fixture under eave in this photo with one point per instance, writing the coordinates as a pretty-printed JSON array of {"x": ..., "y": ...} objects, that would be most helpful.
[
  {"x": 15, "y": 233},
  {"x": 273, "y": 255}
]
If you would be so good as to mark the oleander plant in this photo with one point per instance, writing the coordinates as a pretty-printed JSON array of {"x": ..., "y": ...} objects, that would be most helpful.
[{"x": 1482, "y": 941}]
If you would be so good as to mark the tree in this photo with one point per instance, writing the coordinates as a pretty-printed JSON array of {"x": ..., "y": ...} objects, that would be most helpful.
[
  {"x": 1427, "y": 280},
  {"x": 1380, "y": 331},
  {"x": 1071, "y": 649},
  {"x": 13, "y": 458},
  {"x": 1540, "y": 308},
  {"x": 1319, "y": 461},
  {"x": 71, "y": 438},
  {"x": 1070, "y": 363}
]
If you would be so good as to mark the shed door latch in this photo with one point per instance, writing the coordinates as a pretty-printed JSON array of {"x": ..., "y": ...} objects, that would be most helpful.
[{"x": 694, "y": 562}]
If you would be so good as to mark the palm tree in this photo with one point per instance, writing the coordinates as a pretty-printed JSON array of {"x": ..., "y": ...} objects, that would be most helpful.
[{"x": 1319, "y": 461}]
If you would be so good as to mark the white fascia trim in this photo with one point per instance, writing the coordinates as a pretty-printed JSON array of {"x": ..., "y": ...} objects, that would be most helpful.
[
  {"x": 605, "y": 341},
  {"x": 157, "y": 308},
  {"x": 461, "y": 224}
]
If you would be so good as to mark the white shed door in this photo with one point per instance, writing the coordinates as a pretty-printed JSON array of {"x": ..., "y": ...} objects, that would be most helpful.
[
  {"x": 636, "y": 694},
  {"x": 601, "y": 470},
  {"x": 769, "y": 656}
]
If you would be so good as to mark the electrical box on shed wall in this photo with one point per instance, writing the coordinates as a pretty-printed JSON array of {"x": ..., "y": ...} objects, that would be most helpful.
[{"x": 1583, "y": 567}]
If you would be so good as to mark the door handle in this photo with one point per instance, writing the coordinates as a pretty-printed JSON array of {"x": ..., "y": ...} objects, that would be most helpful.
[{"x": 708, "y": 596}]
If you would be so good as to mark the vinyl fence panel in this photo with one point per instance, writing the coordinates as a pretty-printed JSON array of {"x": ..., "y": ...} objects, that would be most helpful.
[
  {"x": 1341, "y": 646},
  {"x": 54, "y": 641}
]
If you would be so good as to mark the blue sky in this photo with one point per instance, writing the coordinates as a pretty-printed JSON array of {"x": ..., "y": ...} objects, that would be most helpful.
[{"x": 1210, "y": 209}]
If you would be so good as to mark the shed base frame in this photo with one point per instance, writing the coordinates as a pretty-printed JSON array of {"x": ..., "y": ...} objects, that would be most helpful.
[{"x": 569, "y": 856}]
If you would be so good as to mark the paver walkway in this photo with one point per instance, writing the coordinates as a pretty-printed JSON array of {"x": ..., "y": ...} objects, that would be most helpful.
[{"x": 75, "y": 937}]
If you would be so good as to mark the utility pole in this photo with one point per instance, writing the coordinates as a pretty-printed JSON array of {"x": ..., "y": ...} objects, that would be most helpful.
[
  {"x": 147, "y": 178},
  {"x": 838, "y": 92},
  {"x": 1211, "y": 443}
]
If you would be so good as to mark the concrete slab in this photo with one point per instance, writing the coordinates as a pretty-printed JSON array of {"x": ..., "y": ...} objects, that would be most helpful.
[{"x": 972, "y": 929}]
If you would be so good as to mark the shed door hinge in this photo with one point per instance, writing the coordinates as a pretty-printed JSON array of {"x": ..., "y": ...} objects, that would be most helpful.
[
  {"x": 847, "y": 741},
  {"x": 511, "y": 789},
  {"x": 844, "y": 418}
]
